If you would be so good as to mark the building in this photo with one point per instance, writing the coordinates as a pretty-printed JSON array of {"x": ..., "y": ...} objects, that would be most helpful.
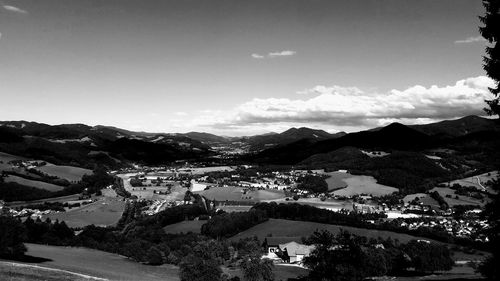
[
  {"x": 296, "y": 252},
  {"x": 289, "y": 249},
  {"x": 272, "y": 244}
]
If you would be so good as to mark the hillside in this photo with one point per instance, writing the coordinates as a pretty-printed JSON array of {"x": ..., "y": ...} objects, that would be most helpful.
[{"x": 459, "y": 127}]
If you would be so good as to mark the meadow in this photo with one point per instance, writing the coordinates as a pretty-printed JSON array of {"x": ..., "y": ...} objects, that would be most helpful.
[
  {"x": 13, "y": 271},
  {"x": 33, "y": 183},
  {"x": 477, "y": 181},
  {"x": 184, "y": 227},
  {"x": 236, "y": 194},
  {"x": 462, "y": 199},
  {"x": 289, "y": 228},
  {"x": 69, "y": 173},
  {"x": 345, "y": 184},
  {"x": 100, "y": 264},
  {"x": 104, "y": 212}
]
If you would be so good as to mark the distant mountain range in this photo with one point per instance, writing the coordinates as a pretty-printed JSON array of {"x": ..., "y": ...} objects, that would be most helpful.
[{"x": 88, "y": 146}]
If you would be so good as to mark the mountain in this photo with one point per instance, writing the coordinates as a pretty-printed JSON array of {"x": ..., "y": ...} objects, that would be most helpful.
[
  {"x": 394, "y": 136},
  {"x": 261, "y": 142},
  {"x": 86, "y": 146},
  {"x": 206, "y": 137},
  {"x": 459, "y": 127}
]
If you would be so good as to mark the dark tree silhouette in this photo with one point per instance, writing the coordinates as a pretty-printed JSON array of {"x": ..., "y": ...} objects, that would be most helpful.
[{"x": 491, "y": 32}]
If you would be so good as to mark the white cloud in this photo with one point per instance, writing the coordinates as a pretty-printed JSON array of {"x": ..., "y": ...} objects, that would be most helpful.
[
  {"x": 471, "y": 39},
  {"x": 257, "y": 56},
  {"x": 14, "y": 9},
  {"x": 335, "y": 107},
  {"x": 285, "y": 53}
]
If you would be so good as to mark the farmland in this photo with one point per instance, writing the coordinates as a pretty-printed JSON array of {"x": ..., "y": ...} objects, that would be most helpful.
[
  {"x": 289, "y": 228},
  {"x": 104, "y": 212},
  {"x": 69, "y": 173},
  {"x": 451, "y": 198},
  {"x": 100, "y": 264},
  {"x": 236, "y": 194},
  {"x": 21, "y": 272},
  {"x": 33, "y": 183},
  {"x": 184, "y": 227},
  {"x": 478, "y": 181},
  {"x": 345, "y": 184}
]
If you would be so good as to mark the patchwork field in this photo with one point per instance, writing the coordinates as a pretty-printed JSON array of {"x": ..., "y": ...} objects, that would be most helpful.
[
  {"x": 236, "y": 194},
  {"x": 280, "y": 227},
  {"x": 345, "y": 184},
  {"x": 184, "y": 227},
  {"x": 478, "y": 181},
  {"x": 99, "y": 264},
  {"x": 69, "y": 173},
  {"x": 104, "y": 212},
  {"x": 364, "y": 185},
  {"x": 462, "y": 200},
  {"x": 37, "y": 184}
]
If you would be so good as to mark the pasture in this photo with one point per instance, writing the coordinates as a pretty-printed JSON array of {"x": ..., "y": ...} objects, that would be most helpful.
[
  {"x": 33, "y": 183},
  {"x": 14, "y": 271},
  {"x": 184, "y": 227},
  {"x": 236, "y": 194},
  {"x": 289, "y": 228},
  {"x": 462, "y": 199},
  {"x": 104, "y": 212},
  {"x": 69, "y": 173},
  {"x": 100, "y": 264},
  {"x": 336, "y": 180},
  {"x": 5, "y": 157},
  {"x": 357, "y": 185},
  {"x": 478, "y": 181}
]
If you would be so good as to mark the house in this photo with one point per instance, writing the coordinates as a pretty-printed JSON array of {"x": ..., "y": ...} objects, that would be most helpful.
[
  {"x": 272, "y": 244},
  {"x": 296, "y": 252}
]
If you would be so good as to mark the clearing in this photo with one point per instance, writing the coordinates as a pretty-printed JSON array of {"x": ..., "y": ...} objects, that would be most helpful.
[
  {"x": 70, "y": 173},
  {"x": 33, "y": 183},
  {"x": 104, "y": 212},
  {"x": 99, "y": 264},
  {"x": 236, "y": 194},
  {"x": 184, "y": 227}
]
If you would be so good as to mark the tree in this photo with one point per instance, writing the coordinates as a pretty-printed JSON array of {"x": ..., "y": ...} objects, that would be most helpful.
[
  {"x": 257, "y": 269},
  {"x": 491, "y": 32},
  {"x": 194, "y": 268},
  {"x": 428, "y": 257},
  {"x": 12, "y": 235}
]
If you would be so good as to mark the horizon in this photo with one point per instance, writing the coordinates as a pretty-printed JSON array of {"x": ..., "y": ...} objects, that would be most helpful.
[
  {"x": 239, "y": 136},
  {"x": 235, "y": 68}
]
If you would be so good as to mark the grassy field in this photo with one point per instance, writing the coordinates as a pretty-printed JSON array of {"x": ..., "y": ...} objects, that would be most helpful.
[
  {"x": 11, "y": 271},
  {"x": 104, "y": 212},
  {"x": 462, "y": 200},
  {"x": 477, "y": 181},
  {"x": 99, "y": 264},
  {"x": 289, "y": 228},
  {"x": 65, "y": 172},
  {"x": 281, "y": 272},
  {"x": 336, "y": 180},
  {"x": 37, "y": 184},
  {"x": 184, "y": 227},
  {"x": 236, "y": 194},
  {"x": 5, "y": 157},
  {"x": 364, "y": 185}
]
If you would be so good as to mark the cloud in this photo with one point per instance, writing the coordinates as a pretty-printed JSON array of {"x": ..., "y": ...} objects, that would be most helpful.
[
  {"x": 14, "y": 9},
  {"x": 257, "y": 56},
  {"x": 336, "y": 107},
  {"x": 285, "y": 53},
  {"x": 471, "y": 40}
]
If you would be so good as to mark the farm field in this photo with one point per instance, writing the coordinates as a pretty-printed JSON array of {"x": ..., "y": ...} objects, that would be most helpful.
[
  {"x": 477, "y": 181},
  {"x": 462, "y": 200},
  {"x": 5, "y": 157},
  {"x": 202, "y": 170},
  {"x": 61, "y": 199},
  {"x": 69, "y": 173},
  {"x": 184, "y": 227},
  {"x": 289, "y": 228},
  {"x": 336, "y": 180},
  {"x": 364, "y": 185},
  {"x": 329, "y": 204},
  {"x": 234, "y": 208},
  {"x": 12, "y": 271},
  {"x": 281, "y": 272},
  {"x": 100, "y": 264},
  {"x": 33, "y": 183},
  {"x": 236, "y": 194},
  {"x": 104, "y": 212}
]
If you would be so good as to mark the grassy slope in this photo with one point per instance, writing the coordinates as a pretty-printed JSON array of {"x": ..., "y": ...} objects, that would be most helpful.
[
  {"x": 280, "y": 227},
  {"x": 103, "y": 213},
  {"x": 65, "y": 172},
  {"x": 100, "y": 264},
  {"x": 37, "y": 184},
  {"x": 184, "y": 227}
]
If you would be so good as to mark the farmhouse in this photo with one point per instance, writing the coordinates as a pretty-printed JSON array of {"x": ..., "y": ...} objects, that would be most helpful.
[
  {"x": 296, "y": 252},
  {"x": 272, "y": 244}
]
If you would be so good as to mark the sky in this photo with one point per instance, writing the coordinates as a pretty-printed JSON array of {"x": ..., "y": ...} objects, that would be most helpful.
[{"x": 239, "y": 67}]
